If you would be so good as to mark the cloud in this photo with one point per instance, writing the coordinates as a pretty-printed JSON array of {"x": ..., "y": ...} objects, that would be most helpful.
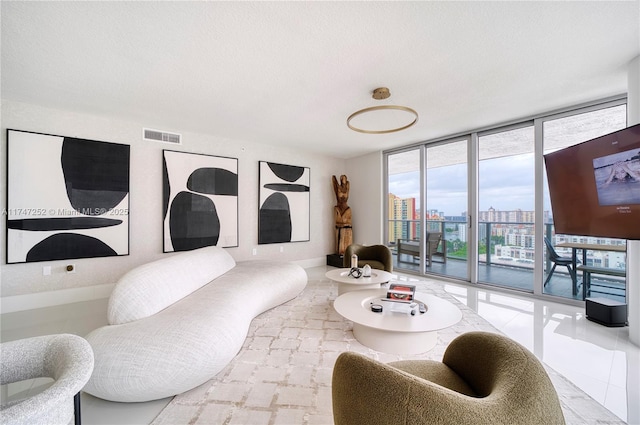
[{"x": 505, "y": 184}]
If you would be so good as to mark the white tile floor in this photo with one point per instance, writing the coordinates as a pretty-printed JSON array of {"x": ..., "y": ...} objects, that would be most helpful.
[{"x": 599, "y": 360}]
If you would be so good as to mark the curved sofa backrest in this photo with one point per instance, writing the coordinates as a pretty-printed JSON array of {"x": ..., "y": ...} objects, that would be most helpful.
[{"x": 154, "y": 286}]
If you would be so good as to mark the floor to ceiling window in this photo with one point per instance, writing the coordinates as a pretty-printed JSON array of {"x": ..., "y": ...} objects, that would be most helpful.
[
  {"x": 605, "y": 253},
  {"x": 506, "y": 227},
  {"x": 447, "y": 209},
  {"x": 403, "y": 202},
  {"x": 431, "y": 187},
  {"x": 442, "y": 247}
]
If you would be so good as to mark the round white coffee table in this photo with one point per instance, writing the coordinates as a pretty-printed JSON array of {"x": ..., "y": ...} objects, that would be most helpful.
[
  {"x": 348, "y": 283},
  {"x": 396, "y": 332}
]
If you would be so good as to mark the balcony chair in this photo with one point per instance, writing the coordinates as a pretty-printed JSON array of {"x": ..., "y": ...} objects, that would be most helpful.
[
  {"x": 377, "y": 256},
  {"x": 433, "y": 241},
  {"x": 484, "y": 378},
  {"x": 556, "y": 259},
  {"x": 66, "y": 358}
]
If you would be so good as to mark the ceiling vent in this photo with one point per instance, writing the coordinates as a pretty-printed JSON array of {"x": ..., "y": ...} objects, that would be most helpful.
[{"x": 161, "y": 136}]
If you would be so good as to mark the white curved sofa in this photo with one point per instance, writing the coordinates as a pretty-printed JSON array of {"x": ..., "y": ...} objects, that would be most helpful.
[{"x": 176, "y": 322}]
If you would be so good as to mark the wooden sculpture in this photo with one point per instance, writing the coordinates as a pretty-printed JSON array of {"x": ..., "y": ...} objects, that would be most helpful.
[{"x": 342, "y": 215}]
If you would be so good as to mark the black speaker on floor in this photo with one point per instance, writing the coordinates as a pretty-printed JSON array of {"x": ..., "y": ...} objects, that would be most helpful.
[
  {"x": 606, "y": 312},
  {"x": 334, "y": 260}
]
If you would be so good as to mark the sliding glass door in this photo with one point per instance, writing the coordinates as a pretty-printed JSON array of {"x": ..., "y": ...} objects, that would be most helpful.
[
  {"x": 506, "y": 225},
  {"x": 403, "y": 201},
  {"x": 447, "y": 209}
]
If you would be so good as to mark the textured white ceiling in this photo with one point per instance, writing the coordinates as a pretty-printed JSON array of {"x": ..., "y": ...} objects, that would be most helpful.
[{"x": 290, "y": 73}]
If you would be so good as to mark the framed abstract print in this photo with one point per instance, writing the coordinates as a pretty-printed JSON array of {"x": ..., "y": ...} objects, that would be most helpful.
[
  {"x": 200, "y": 201},
  {"x": 284, "y": 203},
  {"x": 66, "y": 198}
]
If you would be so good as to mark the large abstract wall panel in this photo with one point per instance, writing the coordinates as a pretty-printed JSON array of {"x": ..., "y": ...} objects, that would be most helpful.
[
  {"x": 284, "y": 203},
  {"x": 200, "y": 201},
  {"x": 66, "y": 198}
]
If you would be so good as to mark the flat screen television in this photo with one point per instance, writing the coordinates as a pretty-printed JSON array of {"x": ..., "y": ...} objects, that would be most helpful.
[{"x": 594, "y": 186}]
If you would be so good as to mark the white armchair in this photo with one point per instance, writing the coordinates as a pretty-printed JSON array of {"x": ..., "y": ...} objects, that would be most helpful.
[{"x": 66, "y": 358}]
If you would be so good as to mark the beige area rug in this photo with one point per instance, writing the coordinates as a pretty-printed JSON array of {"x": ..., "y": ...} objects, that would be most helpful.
[{"x": 282, "y": 375}]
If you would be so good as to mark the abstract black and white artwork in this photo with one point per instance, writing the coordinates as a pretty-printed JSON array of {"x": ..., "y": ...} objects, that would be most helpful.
[
  {"x": 200, "y": 201},
  {"x": 66, "y": 198},
  {"x": 284, "y": 203}
]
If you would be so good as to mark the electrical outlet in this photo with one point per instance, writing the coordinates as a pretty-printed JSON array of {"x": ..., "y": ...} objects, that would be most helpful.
[
  {"x": 281, "y": 249},
  {"x": 254, "y": 251},
  {"x": 46, "y": 271}
]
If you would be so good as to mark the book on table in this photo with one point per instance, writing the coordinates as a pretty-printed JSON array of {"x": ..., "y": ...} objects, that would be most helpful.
[{"x": 401, "y": 293}]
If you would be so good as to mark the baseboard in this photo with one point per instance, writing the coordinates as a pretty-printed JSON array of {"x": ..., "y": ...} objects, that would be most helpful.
[
  {"x": 87, "y": 293},
  {"x": 52, "y": 298},
  {"x": 312, "y": 262}
]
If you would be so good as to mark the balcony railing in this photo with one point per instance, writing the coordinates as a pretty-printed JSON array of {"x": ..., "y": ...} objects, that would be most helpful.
[
  {"x": 491, "y": 235},
  {"x": 514, "y": 267}
]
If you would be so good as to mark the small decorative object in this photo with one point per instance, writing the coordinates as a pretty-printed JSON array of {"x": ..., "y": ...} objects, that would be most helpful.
[
  {"x": 376, "y": 308},
  {"x": 342, "y": 215},
  {"x": 355, "y": 273},
  {"x": 366, "y": 271},
  {"x": 354, "y": 261}
]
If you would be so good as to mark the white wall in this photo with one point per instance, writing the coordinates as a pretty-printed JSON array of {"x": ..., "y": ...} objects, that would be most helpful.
[
  {"x": 146, "y": 197},
  {"x": 365, "y": 198}
]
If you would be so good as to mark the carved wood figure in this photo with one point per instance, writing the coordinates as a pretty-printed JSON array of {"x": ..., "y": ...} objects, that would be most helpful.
[{"x": 342, "y": 215}]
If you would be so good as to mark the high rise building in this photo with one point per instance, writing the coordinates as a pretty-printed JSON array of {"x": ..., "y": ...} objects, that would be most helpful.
[{"x": 402, "y": 216}]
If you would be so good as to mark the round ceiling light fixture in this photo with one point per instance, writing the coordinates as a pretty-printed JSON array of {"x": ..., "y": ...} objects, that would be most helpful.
[{"x": 382, "y": 119}]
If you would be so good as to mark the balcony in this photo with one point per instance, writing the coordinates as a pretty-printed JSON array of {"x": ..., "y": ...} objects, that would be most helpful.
[{"x": 509, "y": 271}]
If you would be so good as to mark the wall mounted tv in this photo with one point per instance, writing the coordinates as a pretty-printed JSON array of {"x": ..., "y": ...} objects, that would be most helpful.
[{"x": 595, "y": 186}]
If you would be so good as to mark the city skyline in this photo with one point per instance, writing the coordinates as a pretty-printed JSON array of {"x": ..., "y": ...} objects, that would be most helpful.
[
  {"x": 492, "y": 214},
  {"x": 510, "y": 189}
]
